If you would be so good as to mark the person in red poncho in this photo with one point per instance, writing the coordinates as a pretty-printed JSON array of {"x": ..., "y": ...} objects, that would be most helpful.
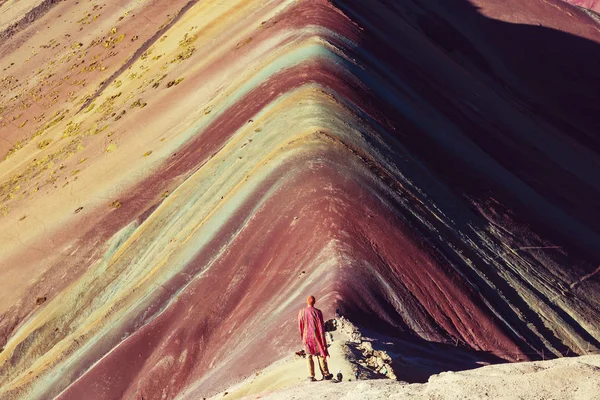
[{"x": 312, "y": 330}]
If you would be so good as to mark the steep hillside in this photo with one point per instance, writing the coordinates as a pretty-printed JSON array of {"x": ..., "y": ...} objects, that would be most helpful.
[
  {"x": 591, "y": 4},
  {"x": 178, "y": 176}
]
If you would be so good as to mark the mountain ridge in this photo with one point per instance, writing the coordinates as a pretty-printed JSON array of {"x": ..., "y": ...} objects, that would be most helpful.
[{"x": 405, "y": 164}]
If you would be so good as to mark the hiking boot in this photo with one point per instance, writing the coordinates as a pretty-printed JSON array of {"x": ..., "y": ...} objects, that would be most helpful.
[
  {"x": 328, "y": 377},
  {"x": 311, "y": 379}
]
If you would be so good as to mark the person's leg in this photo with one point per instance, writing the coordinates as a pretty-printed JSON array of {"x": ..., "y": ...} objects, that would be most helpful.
[
  {"x": 311, "y": 365},
  {"x": 323, "y": 366},
  {"x": 320, "y": 364}
]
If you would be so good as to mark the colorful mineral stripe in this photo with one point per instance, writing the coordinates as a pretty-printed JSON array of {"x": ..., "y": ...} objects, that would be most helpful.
[{"x": 176, "y": 176}]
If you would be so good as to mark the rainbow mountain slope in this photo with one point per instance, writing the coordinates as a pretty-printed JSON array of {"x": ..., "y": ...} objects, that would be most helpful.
[
  {"x": 589, "y": 4},
  {"x": 179, "y": 176}
]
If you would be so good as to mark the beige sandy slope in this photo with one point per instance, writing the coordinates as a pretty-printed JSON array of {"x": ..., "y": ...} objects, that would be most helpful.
[{"x": 291, "y": 372}]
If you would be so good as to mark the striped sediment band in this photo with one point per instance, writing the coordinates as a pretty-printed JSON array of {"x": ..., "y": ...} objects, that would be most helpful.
[{"x": 254, "y": 151}]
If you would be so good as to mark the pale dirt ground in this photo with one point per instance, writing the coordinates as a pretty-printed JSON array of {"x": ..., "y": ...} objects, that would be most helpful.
[
  {"x": 568, "y": 378},
  {"x": 565, "y": 378},
  {"x": 291, "y": 374}
]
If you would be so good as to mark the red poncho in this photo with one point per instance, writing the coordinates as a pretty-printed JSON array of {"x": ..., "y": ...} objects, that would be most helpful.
[{"x": 312, "y": 330}]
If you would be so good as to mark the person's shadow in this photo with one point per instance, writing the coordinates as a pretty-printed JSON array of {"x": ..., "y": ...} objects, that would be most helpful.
[{"x": 528, "y": 95}]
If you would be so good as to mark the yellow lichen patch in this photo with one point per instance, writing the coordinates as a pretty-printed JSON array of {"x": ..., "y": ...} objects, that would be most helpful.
[
  {"x": 118, "y": 117},
  {"x": 175, "y": 82},
  {"x": 94, "y": 129},
  {"x": 10, "y": 188},
  {"x": 112, "y": 41},
  {"x": 93, "y": 66},
  {"x": 147, "y": 53},
  {"x": 158, "y": 81},
  {"x": 243, "y": 43},
  {"x": 84, "y": 99},
  {"x": 184, "y": 55},
  {"x": 111, "y": 147},
  {"x": 89, "y": 108},
  {"x": 107, "y": 106},
  {"x": 59, "y": 117},
  {"x": 72, "y": 129},
  {"x": 115, "y": 204},
  {"x": 88, "y": 19},
  {"x": 146, "y": 154},
  {"x": 138, "y": 103},
  {"x": 187, "y": 40},
  {"x": 44, "y": 143},
  {"x": 18, "y": 145},
  {"x": 167, "y": 22}
]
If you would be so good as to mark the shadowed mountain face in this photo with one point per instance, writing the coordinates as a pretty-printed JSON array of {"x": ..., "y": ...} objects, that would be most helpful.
[{"x": 179, "y": 176}]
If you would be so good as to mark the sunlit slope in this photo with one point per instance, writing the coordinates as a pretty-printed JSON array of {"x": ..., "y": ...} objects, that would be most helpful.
[
  {"x": 591, "y": 4},
  {"x": 178, "y": 177}
]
